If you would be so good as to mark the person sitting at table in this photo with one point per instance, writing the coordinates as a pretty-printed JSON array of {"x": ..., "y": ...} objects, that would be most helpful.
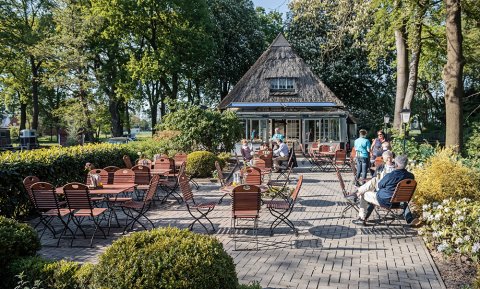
[
  {"x": 246, "y": 151},
  {"x": 276, "y": 136},
  {"x": 280, "y": 154},
  {"x": 264, "y": 146}
]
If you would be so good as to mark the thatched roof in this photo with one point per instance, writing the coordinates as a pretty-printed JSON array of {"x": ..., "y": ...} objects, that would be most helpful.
[{"x": 280, "y": 60}]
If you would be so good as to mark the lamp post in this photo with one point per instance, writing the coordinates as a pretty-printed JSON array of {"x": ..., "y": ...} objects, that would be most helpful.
[
  {"x": 386, "y": 120},
  {"x": 405, "y": 114}
]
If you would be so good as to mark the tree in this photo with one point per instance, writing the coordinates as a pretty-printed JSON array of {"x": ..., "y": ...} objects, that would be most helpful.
[{"x": 453, "y": 74}]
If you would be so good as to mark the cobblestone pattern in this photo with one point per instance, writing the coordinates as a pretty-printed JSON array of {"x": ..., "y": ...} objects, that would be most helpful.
[{"x": 329, "y": 252}]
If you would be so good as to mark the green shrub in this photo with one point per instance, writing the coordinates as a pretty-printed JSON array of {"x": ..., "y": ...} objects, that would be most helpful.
[
  {"x": 223, "y": 158},
  {"x": 444, "y": 176},
  {"x": 165, "y": 258},
  {"x": 32, "y": 268},
  {"x": 201, "y": 164},
  {"x": 453, "y": 226},
  {"x": 472, "y": 147},
  {"x": 16, "y": 240},
  {"x": 252, "y": 285}
]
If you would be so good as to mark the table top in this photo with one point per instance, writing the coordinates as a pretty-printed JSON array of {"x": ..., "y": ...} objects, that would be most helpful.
[
  {"x": 263, "y": 188},
  {"x": 159, "y": 171},
  {"x": 112, "y": 189}
]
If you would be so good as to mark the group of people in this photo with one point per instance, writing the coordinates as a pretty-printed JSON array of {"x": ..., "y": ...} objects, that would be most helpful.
[
  {"x": 380, "y": 188},
  {"x": 280, "y": 153}
]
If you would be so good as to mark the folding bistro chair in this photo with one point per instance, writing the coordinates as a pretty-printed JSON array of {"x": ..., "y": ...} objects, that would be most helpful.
[
  {"x": 223, "y": 181},
  {"x": 286, "y": 170},
  {"x": 246, "y": 203},
  {"x": 170, "y": 184},
  {"x": 79, "y": 201},
  {"x": 140, "y": 207},
  {"x": 399, "y": 202},
  {"x": 102, "y": 173},
  {"x": 27, "y": 184},
  {"x": 305, "y": 154},
  {"x": 111, "y": 172},
  {"x": 47, "y": 205},
  {"x": 197, "y": 210},
  {"x": 267, "y": 156},
  {"x": 144, "y": 162},
  {"x": 259, "y": 163},
  {"x": 127, "y": 162},
  {"x": 340, "y": 159},
  {"x": 351, "y": 204},
  {"x": 124, "y": 177},
  {"x": 142, "y": 178},
  {"x": 281, "y": 209},
  {"x": 252, "y": 176}
]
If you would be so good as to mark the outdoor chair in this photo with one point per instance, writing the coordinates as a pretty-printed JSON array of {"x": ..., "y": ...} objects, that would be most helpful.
[
  {"x": 222, "y": 180},
  {"x": 111, "y": 171},
  {"x": 142, "y": 177},
  {"x": 197, "y": 210},
  {"x": 351, "y": 204},
  {"x": 49, "y": 208},
  {"x": 27, "y": 184},
  {"x": 170, "y": 184},
  {"x": 340, "y": 159},
  {"x": 281, "y": 209},
  {"x": 314, "y": 146},
  {"x": 399, "y": 202},
  {"x": 246, "y": 201},
  {"x": 260, "y": 163},
  {"x": 305, "y": 154},
  {"x": 252, "y": 176},
  {"x": 140, "y": 207},
  {"x": 286, "y": 170},
  {"x": 324, "y": 148},
  {"x": 102, "y": 173},
  {"x": 124, "y": 177},
  {"x": 182, "y": 170},
  {"x": 79, "y": 201},
  {"x": 144, "y": 162},
  {"x": 127, "y": 162},
  {"x": 267, "y": 156},
  {"x": 179, "y": 159},
  {"x": 378, "y": 162}
]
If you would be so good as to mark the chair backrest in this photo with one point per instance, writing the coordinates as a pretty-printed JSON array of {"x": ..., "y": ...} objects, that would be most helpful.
[
  {"x": 252, "y": 176},
  {"x": 164, "y": 163},
  {"x": 111, "y": 173},
  {"x": 152, "y": 189},
  {"x": 259, "y": 163},
  {"x": 314, "y": 145},
  {"x": 340, "y": 180},
  {"x": 404, "y": 191},
  {"x": 127, "y": 162},
  {"x": 78, "y": 196},
  {"x": 297, "y": 189},
  {"x": 124, "y": 176},
  {"x": 267, "y": 156},
  {"x": 101, "y": 172},
  {"x": 324, "y": 148},
  {"x": 378, "y": 161},
  {"x": 340, "y": 156},
  {"x": 44, "y": 196},
  {"x": 142, "y": 174},
  {"x": 221, "y": 179},
  {"x": 145, "y": 162},
  {"x": 185, "y": 188},
  {"x": 27, "y": 184},
  {"x": 246, "y": 198},
  {"x": 180, "y": 158}
]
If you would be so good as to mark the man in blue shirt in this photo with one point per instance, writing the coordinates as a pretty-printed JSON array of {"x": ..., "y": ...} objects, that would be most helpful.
[
  {"x": 362, "y": 148},
  {"x": 386, "y": 188}
]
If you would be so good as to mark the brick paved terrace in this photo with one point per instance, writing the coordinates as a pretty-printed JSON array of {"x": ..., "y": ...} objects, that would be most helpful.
[{"x": 329, "y": 252}]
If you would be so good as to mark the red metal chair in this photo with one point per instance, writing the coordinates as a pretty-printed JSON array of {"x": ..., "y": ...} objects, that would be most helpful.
[
  {"x": 246, "y": 202},
  {"x": 197, "y": 210},
  {"x": 48, "y": 206},
  {"x": 281, "y": 209},
  {"x": 252, "y": 176},
  {"x": 141, "y": 208},
  {"x": 79, "y": 201}
]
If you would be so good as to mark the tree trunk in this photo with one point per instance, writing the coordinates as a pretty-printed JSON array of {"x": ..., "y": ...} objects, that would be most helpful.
[
  {"x": 453, "y": 75},
  {"x": 117, "y": 125},
  {"x": 127, "y": 119},
  {"x": 23, "y": 115},
  {"x": 413, "y": 69},
  {"x": 86, "y": 113},
  {"x": 402, "y": 72},
  {"x": 35, "y": 84}
]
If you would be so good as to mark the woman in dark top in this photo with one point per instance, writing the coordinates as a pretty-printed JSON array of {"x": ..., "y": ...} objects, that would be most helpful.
[{"x": 376, "y": 148}]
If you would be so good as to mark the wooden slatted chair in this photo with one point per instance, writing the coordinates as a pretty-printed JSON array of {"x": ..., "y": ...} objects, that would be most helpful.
[
  {"x": 102, "y": 173},
  {"x": 351, "y": 204},
  {"x": 179, "y": 159},
  {"x": 111, "y": 172},
  {"x": 170, "y": 184},
  {"x": 399, "y": 201},
  {"x": 144, "y": 162},
  {"x": 196, "y": 209},
  {"x": 142, "y": 177},
  {"x": 246, "y": 202},
  {"x": 127, "y": 162},
  {"x": 340, "y": 159},
  {"x": 222, "y": 180},
  {"x": 252, "y": 176},
  {"x": 305, "y": 154},
  {"x": 27, "y": 184},
  {"x": 260, "y": 163},
  {"x": 281, "y": 209},
  {"x": 79, "y": 201},
  {"x": 267, "y": 156},
  {"x": 49, "y": 208},
  {"x": 140, "y": 207}
]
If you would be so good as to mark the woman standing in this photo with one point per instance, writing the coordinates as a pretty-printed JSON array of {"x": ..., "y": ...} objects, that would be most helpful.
[{"x": 376, "y": 147}]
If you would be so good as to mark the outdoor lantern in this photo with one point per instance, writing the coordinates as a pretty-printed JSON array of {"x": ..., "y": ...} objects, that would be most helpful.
[
  {"x": 386, "y": 119},
  {"x": 405, "y": 113}
]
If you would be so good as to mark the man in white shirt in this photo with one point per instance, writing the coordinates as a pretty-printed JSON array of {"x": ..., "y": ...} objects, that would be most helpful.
[{"x": 280, "y": 154}]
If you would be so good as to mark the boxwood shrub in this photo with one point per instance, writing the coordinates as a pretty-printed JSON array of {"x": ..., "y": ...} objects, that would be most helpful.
[
  {"x": 16, "y": 240},
  {"x": 201, "y": 163},
  {"x": 165, "y": 258}
]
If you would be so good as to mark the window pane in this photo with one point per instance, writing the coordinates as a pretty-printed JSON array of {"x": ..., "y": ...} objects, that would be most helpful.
[{"x": 289, "y": 83}]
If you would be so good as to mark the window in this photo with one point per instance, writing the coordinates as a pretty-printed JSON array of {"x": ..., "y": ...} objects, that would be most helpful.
[
  {"x": 323, "y": 130},
  {"x": 282, "y": 84}
]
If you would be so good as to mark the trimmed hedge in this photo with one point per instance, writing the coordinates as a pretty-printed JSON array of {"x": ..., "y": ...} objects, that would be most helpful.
[
  {"x": 201, "y": 164},
  {"x": 16, "y": 240},
  {"x": 166, "y": 258},
  {"x": 56, "y": 165}
]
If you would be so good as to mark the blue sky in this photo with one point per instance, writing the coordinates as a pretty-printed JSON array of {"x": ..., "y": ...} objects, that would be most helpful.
[{"x": 269, "y": 5}]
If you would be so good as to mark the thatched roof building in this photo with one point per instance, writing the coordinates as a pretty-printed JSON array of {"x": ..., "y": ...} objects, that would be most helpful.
[{"x": 280, "y": 90}]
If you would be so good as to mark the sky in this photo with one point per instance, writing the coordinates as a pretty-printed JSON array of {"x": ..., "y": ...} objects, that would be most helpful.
[{"x": 269, "y": 5}]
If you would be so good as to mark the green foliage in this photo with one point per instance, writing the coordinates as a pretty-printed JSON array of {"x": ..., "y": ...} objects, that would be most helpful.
[
  {"x": 416, "y": 152},
  {"x": 30, "y": 268},
  {"x": 444, "y": 176},
  {"x": 472, "y": 147},
  {"x": 201, "y": 163},
  {"x": 205, "y": 129},
  {"x": 453, "y": 226},
  {"x": 251, "y": 285},
  {"x": 56, "y": 165},
  {"x": 16, "y": 240},
  {"x": 223, "y": 158},
  {"x": 166, "y": 258}
]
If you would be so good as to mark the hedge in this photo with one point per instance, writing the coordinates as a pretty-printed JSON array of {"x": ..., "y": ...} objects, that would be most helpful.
[{"x": 56, "y": 165}]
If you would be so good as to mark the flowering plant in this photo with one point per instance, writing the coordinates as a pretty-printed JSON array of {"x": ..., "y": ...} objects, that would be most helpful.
[{"x": 453, "y": 226}]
